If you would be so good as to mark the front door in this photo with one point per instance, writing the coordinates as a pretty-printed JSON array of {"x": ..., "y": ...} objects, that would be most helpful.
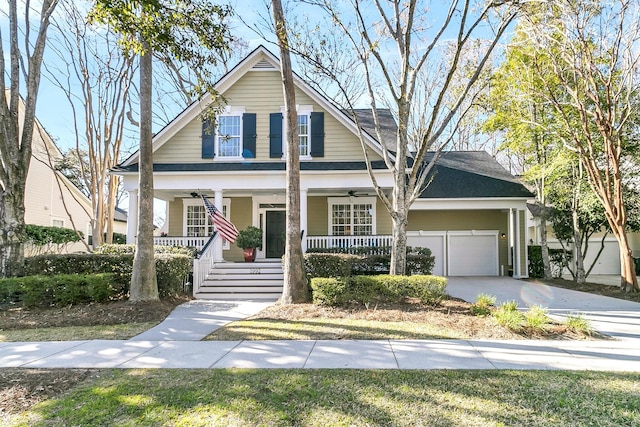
[{"x": 275, "y": 235}]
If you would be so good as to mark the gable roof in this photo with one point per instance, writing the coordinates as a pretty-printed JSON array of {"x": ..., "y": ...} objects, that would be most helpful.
[
  {"x": 259, "y": 59},
  {"x": 388, "y": 125},
  {"x": 471, "y": 174}
]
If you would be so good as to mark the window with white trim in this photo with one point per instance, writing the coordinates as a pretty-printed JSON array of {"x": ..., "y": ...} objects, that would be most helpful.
[
  {"x": 196, "y": 221},
  {"x": 304, "y": 139},
  {"x": 304, "y": 130},
  {"x": 351, "y": 216},
  {"x": 57, "y": 223},
  {"x": 229, "y": 133}
]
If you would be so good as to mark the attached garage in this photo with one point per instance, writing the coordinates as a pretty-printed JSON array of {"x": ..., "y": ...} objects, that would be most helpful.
[
  {"x": 434, "y": 240},
  {"x": 472, "y": 253},
  {"x": 460, "y": 253}
]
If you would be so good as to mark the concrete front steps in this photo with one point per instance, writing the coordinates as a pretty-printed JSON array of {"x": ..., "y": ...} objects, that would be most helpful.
[{"x": 260, "y": 280}]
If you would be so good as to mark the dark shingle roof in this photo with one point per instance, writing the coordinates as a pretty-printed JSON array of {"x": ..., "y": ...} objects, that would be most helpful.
[
  {"x": 471, "y": 174},
  {"x": 457, "y": 174},
  {"x": 250, "y": 166},
  {"x": 120, "y": 215},
  {"x": 388, "y": 125}
]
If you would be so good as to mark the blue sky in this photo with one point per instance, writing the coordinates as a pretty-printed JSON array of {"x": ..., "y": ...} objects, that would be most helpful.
[{"x": 54, "y": 112}]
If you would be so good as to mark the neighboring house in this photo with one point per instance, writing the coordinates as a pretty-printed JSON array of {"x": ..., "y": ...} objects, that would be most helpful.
[
  {"x": 472, "y": 215},
  {"x": 51, "y": 199},
  {"x": 608, "y": 263}
]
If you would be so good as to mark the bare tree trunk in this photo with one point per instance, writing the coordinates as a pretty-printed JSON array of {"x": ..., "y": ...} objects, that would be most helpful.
[
  {"x": 16, "y": 140},
  {"x": 295, "y": 289},
  {"x": 144, "y": 285}
]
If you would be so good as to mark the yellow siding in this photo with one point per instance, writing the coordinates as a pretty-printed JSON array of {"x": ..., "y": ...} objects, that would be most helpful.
[
  {"x": 465, "y": 220},
  {"x": 185, "y": 146},
  {"x": 176, "y": 217},
  {"x": 261, "y": 93},
  {"x": 241, "y": 212},
  {"x": 383, "y": 220},
  {"x": 317, "y": 216}
]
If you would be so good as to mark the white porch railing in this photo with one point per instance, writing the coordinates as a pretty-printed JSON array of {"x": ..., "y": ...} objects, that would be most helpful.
[
  {"x": 323, "y": 242},
  {"x": 202, "y": 265},
  {"x": 192, "y": 241}
]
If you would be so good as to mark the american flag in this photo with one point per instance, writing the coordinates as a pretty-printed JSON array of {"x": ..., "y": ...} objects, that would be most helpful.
[{"x": 226, "y": 229}]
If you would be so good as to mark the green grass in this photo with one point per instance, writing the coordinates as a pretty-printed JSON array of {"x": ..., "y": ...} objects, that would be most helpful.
[
  {"x": 72, "y": 333},
  {"x": 578, "y": 324},
  {"x": 327, "y": 329},
  {"x": 343, "y": 398}
]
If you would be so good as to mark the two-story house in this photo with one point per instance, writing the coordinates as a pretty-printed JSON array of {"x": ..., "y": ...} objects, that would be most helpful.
[{"x": 471, "y": 216}]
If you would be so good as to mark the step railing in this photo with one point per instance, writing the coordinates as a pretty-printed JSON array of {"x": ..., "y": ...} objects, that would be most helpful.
[{"x": 203, "y": 263}]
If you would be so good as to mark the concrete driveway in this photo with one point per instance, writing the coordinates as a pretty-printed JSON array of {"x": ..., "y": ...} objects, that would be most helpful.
[{"x": 610, "y": 316}]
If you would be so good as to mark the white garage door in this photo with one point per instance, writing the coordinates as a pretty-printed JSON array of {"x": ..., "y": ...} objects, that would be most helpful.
[
  {"x": 473, "y": 253},
  {"x": 435, "y": 241}
]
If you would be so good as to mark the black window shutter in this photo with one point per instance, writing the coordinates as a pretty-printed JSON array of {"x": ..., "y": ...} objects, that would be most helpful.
[
  {"x": 275, "y": 135},
  {"x": 249, "y": 135},
  {"x": 208, "y": 139},
  {"x": 317, "y": 135}
]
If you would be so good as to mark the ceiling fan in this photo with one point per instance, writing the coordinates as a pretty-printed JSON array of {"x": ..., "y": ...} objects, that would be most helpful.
[{"x": 354, "y": 193}]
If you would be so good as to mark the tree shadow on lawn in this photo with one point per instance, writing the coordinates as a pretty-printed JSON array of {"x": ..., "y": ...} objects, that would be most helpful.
[
  {"x": 278, "y": 329},
  {"x": 348, "y": 397}
]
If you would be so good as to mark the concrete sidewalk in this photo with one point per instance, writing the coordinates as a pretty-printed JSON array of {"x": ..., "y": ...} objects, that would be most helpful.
[
  {"x": 380, "y": 354},
  {"x": 175, "y": 343}
]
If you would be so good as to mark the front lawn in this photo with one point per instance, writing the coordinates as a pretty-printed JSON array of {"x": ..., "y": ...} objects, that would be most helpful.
[
  {"x": 338, "y": 398},
  {"x": 451, "y": 319}
]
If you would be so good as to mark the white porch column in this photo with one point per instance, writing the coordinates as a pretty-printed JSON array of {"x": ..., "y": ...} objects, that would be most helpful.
[
  {"x": 303, "y": 218},
  {"x": 510, "y": 241},
  {"x": 132, "y": 217},
  {"x": 517, "y": 262},
  {"x": 217, "y": 244}
]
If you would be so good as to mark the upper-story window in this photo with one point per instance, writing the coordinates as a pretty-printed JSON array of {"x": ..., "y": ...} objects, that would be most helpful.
[
  {"x": 303, "y": 134},
  {"x": 229, "y": 133}
]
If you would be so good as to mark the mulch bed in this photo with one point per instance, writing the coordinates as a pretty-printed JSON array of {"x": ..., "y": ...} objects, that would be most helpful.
[{"x": 113, "y": 313}]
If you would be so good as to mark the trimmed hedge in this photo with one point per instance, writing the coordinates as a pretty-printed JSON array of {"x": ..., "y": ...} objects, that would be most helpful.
[
  {"x": 116, "y": 249},
  {"x": 172, "y": 269},
  {"x": 380, "y": 288},
  {"x": 60, "y": 290},
  {"x": 41, "y": 235},
  {"x": 344, "y": 265}
]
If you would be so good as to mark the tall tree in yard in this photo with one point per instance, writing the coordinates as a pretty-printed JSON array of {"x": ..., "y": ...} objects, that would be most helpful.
[
  {"x": 295, "y": 288},
  {"x": 527, "y": 124},
  {"x": 421, "y": 71},
  {"x": 15, "y": 137},
  {"x": 180, "y": 27},
  {"x": 594, "y": 55},
  {"x": 96, "y": 78}
]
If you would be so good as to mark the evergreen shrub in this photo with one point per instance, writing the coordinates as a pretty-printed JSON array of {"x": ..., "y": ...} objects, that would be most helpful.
[
  {"x": 379, "y": 288},
  {"x": 60, "y": 290}
]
